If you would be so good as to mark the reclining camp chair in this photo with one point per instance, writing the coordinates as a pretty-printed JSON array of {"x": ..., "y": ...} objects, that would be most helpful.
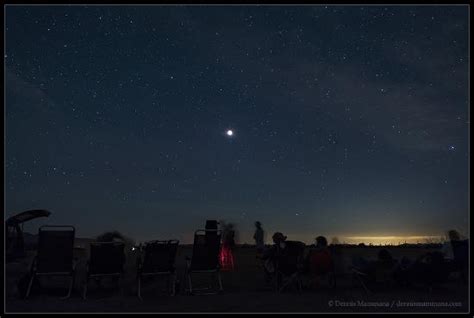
[
  {"x": 55, "y": 254},
  {"x": 107, "y": 259},
  {"x": 289, "y": 263},
  {"x": 376, "y": 275},
  {"x": 205, "y": 258},
  {"x": 158, "y": 259}
]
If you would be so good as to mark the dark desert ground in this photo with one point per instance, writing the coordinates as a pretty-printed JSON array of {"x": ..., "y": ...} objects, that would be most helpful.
[{"x": 244, "y": 290}]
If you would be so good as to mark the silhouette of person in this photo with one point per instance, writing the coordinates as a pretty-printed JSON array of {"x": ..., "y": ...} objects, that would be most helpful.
[
  {"x": 447, "y": 248},
  {"x": 319, "y": 257},
  {"x": 258, "y": 237},
  {"x": 229, "y": 236},
  {"x": 270, "y": 255}
]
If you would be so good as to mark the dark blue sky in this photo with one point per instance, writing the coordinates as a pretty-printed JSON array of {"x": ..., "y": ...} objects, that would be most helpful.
[{"x": 347, "y": 120}]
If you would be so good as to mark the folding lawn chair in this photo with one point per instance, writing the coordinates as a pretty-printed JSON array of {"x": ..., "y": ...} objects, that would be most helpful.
[
  {"x": 107, "y": 259},
  {"x": 376, "y": 277},
  {"x": 158, "y": 259},
  {"x": 55, "y": 254},
  {"x": 205, "y": 258}
]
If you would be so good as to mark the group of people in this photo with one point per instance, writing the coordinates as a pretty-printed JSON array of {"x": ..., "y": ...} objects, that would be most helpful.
[
  {"x": 316, "y": 260},
  {"x": 430, "y": 267}
]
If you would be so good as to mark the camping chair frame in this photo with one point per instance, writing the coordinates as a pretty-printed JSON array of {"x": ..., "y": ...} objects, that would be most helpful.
[
  {"x": 95, "y": 275},
  {"x": 36, "y": 269},
  {"x": 170, "y": 271},
  {"x": 215, "y": 271},
  {"x": 360, "y": 277},
  {"x": 382, "y": 277}
]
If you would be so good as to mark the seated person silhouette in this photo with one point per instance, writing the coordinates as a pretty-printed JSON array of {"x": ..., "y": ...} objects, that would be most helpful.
[
  {"x": 428, "y": 269},
  {"x": 382, "y": 269},
  {"x": 319, "y": 258},
  {"x": 270, "y": 255},
  {"x": 318, "y": 261}
]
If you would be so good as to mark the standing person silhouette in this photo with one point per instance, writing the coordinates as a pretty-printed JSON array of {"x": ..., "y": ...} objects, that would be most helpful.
[{"x": 258, "y": 237}]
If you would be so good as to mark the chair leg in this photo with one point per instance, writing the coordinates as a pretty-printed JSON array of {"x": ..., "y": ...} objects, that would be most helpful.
[
  {"x": 283, "y": 284},
  {"x": 334, "y": 281},
  {"x": 140, "y": 287},
  {"x": 367, "y": 291},
  {"x": 121, "y": 282},
  {"x": 190, "y": 283},
  {"x": 84, "y": 293},
  {"x": 220, "y": 281},
  {"x": 277, "y": 282},
  {"x": 71, "y": 285},
  {"x": 290, "y": 280},
  {"x": 173, "y": 284},
  {"x": 29, "y": 286}
]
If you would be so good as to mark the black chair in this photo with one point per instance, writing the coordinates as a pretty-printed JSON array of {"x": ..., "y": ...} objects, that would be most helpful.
[
  {"x": 205, "y": 258},
  {"x": 289, "y": 264},
  {"x": 107, "y": 259},
  {"x": 55, "y": 254},
  {"x": 158, "y": 259},
  {"x": 376, "y": 275},
  {"x": 460, "y": 261}
]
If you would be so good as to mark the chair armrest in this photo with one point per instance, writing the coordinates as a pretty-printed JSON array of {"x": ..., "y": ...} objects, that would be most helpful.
[
  {"x": 33, "y": 264},
  {"x": 358, "y": 272},
  {"x": 139, "y": 264},
  {"x": 87, "y": 267},
  {"x": 75, "y": 261}
]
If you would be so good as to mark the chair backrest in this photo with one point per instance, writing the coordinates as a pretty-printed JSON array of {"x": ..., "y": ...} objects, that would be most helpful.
[
  {"x": 106, "y": 258},
  {"x": 206, "y": 249},
  {"x": 159, "y": 256},
  {"x": 15, "y": 244},
  {"x": 55, "y": 248},
  {"x": 289, "y": 258}
]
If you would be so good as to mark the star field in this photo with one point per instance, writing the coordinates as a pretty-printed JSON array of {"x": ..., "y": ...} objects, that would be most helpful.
[{"x": 345, "y": 120}]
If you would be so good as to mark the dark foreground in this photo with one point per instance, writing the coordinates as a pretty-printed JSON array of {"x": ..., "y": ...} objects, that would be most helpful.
[{"x": 244, "y": 291}]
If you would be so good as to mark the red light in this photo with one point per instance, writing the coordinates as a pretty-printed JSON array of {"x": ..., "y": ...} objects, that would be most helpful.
[{"x": 226, "y": 258}]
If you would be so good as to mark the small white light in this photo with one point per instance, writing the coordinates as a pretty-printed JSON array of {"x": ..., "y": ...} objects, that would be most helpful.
[{"x": 230, "y": 132}]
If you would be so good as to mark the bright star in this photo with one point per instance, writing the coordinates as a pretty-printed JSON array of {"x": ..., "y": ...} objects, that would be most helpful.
[{"x": 229, "y": 132}]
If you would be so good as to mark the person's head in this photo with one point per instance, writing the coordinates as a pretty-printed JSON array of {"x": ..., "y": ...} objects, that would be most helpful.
[
  {"x": 384, "y": 255},
  {"x": 278, "y": 237},
  {"x": 454, "y": 235},
  {"x": 321, "y": 241},
  {"x": 258, "y": 225}
]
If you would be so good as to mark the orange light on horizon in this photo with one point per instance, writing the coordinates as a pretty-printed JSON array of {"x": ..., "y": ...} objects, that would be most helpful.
[{"x": 393, "y": 239}]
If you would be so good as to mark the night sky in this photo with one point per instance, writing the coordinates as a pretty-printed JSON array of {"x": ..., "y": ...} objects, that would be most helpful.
[{"x": 347, "y": 121}]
